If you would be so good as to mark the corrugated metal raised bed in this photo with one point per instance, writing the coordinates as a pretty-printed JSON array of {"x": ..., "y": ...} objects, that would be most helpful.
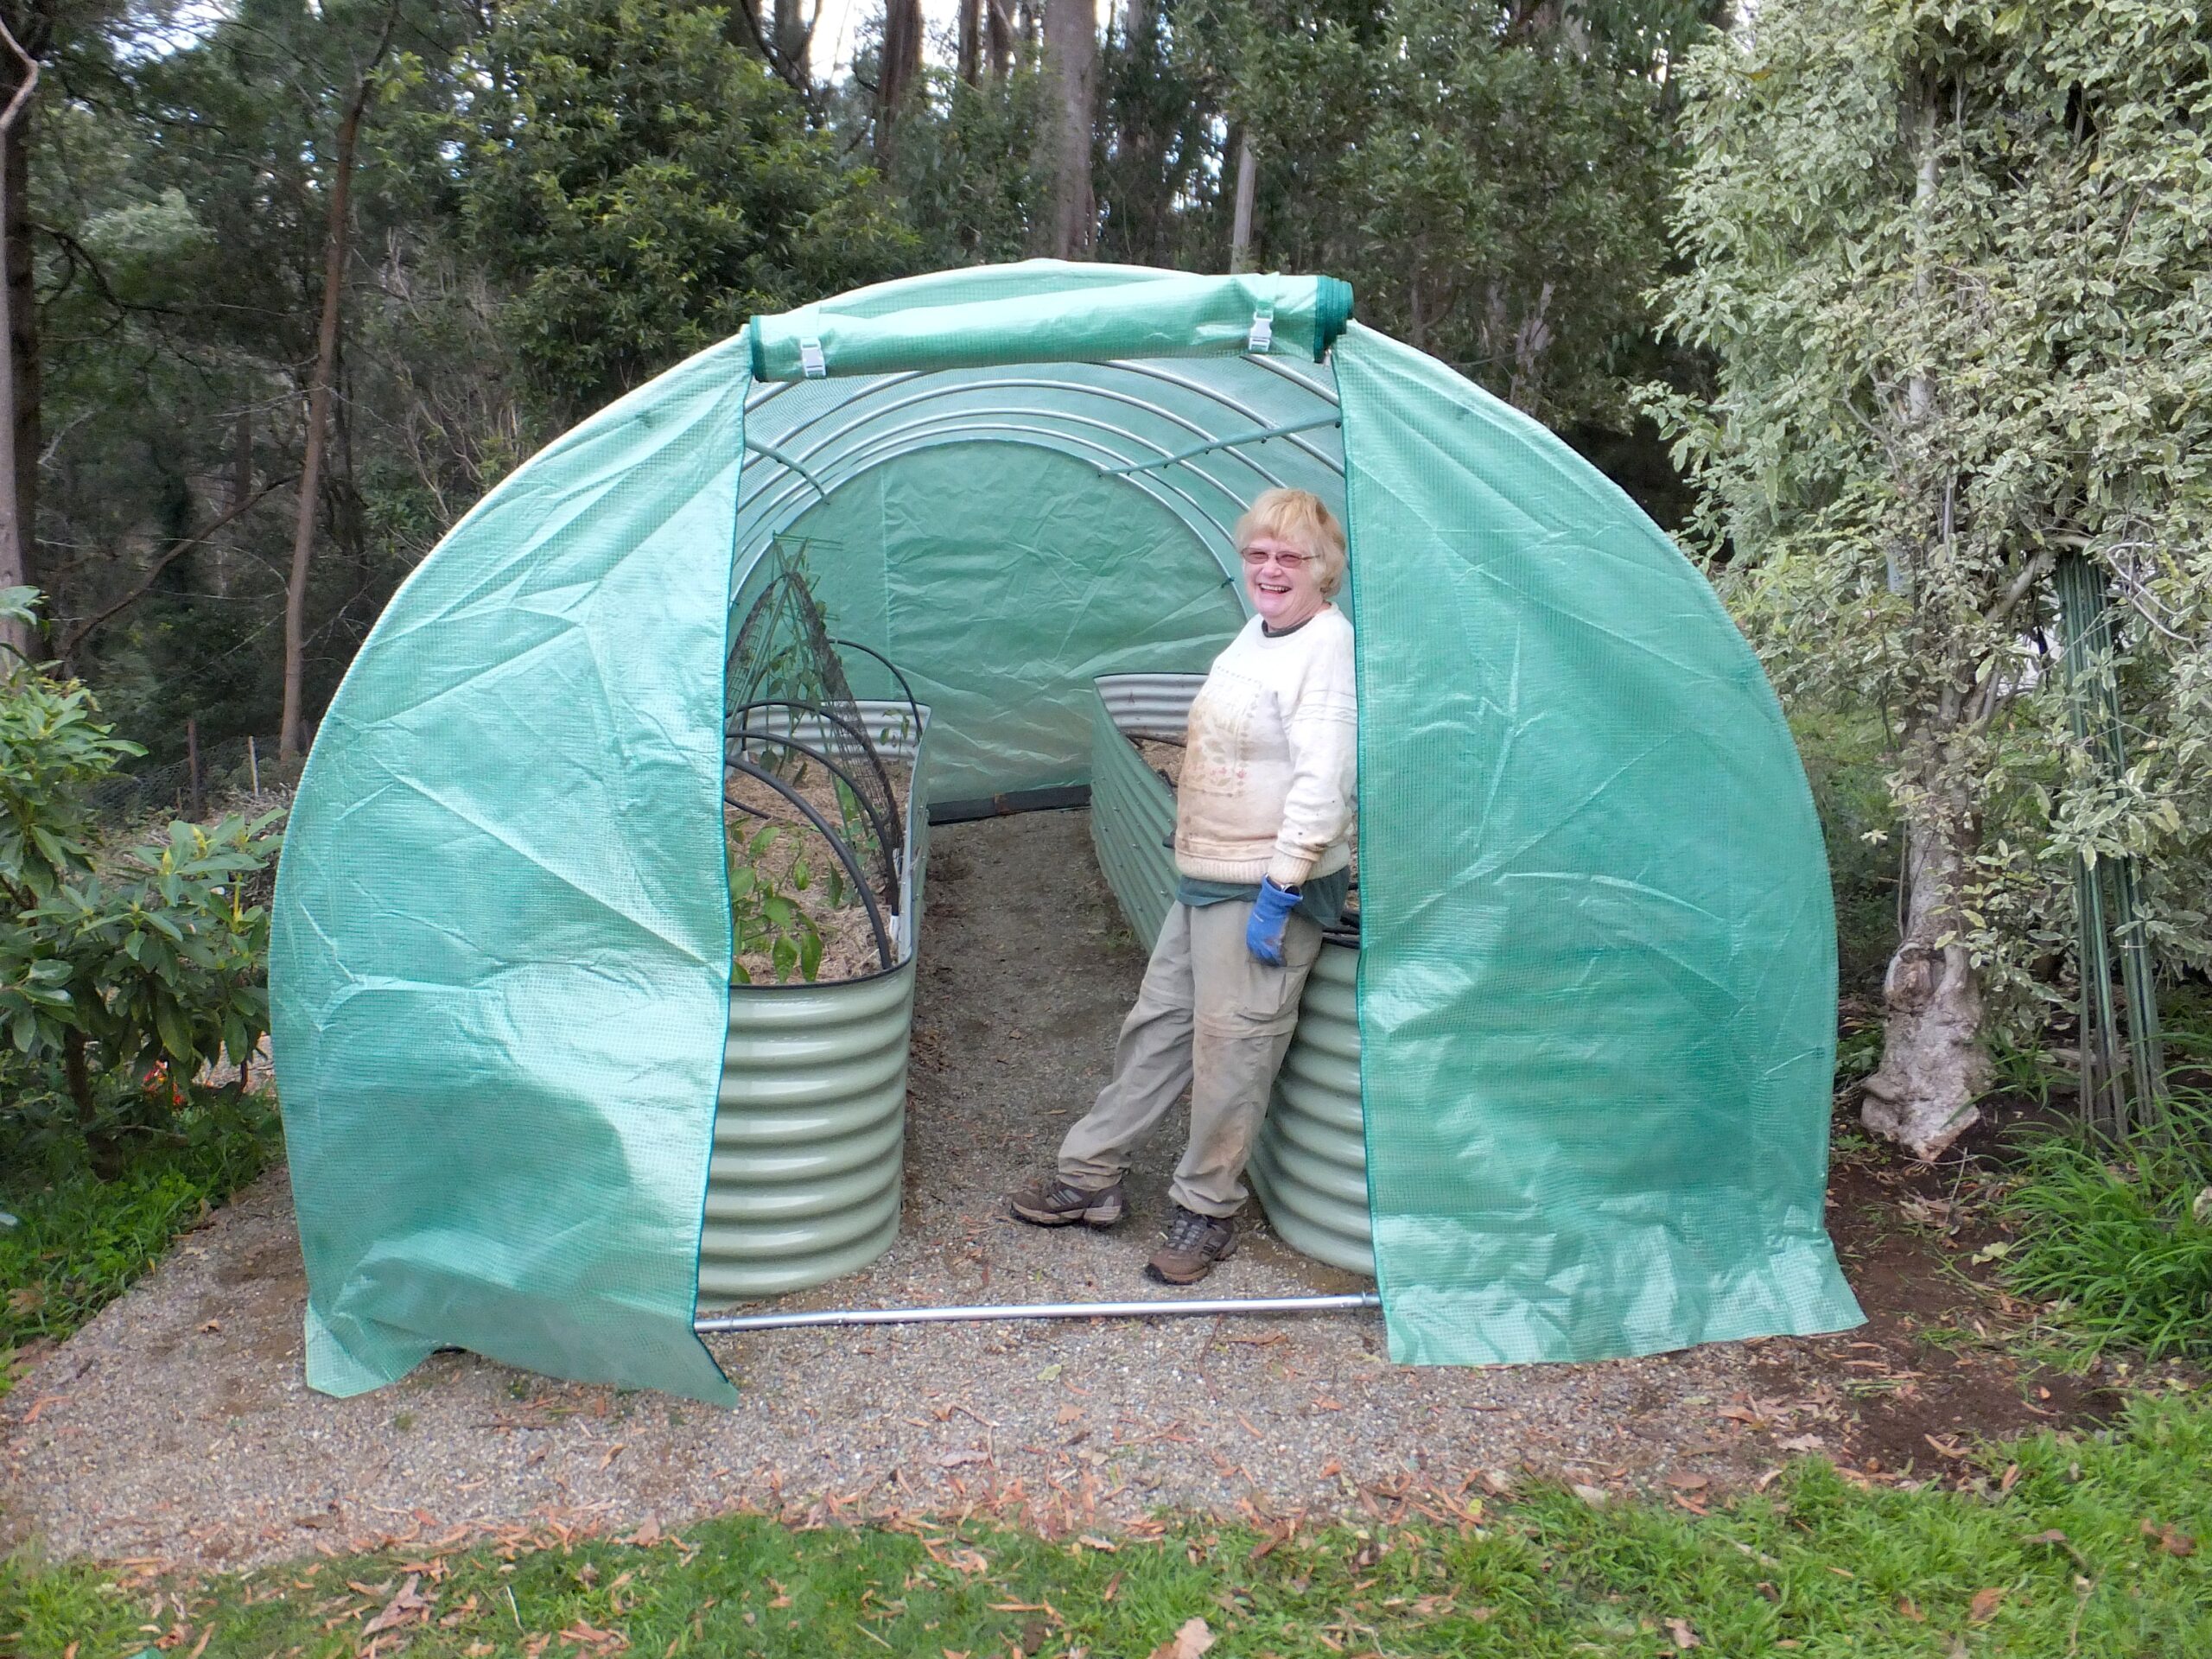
[
  {"x": 810, "y": 1127},
  {"x": 1309, "y": 1167}
]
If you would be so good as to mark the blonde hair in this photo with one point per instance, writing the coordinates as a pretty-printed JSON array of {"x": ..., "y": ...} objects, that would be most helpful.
[{"x": 1301, "y": 516}]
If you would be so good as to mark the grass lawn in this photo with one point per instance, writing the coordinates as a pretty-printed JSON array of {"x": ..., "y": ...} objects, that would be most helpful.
[
  {"x": 2065, "y": 1546},
  {"x": 71, "y": 1243}
]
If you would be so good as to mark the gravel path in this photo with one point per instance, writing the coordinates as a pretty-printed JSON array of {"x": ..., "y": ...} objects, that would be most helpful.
[{"x": 177, "y": 1427}]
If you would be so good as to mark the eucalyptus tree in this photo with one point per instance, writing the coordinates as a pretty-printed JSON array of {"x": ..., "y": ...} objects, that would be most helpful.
[
  {"x": 1492, "y": 178},
  {"x": 1952, "y": 262},
  {"x": 641, "y": 186}
]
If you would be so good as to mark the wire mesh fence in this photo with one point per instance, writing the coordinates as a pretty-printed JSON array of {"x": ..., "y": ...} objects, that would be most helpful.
[{"x": 234, "y": 775}]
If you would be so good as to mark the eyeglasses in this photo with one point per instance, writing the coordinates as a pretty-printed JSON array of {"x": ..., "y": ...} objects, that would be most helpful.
[{"x": 1255, "y": 558}]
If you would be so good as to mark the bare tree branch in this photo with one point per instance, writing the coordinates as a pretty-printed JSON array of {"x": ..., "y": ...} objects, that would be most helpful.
[{"x": 83, "y": 630}]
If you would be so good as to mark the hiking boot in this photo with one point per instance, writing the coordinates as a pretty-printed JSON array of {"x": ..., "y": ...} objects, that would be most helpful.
[
  {"x": 1194, "y": 1243},
  {"x": 1053, "y": 1203}
]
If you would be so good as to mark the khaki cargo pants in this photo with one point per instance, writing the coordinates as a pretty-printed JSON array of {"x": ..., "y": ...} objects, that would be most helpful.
[{"x": 1210, "y": 1017}]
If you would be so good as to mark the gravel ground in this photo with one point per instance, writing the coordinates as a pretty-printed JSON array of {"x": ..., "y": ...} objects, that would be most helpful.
[{"x": 177, "y": 1427}]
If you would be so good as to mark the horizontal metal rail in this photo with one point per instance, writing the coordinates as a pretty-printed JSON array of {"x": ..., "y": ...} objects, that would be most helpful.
[{"x": 1165, "y": 1307}]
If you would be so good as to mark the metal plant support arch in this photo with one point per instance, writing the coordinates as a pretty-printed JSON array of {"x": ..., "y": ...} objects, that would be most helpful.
[{"x": 790, "y": 709}]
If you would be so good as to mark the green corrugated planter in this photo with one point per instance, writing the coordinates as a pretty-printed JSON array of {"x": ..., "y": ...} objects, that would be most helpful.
[
  {"x": 1309, "y": 1167},
  {"x": 811, "y": 1123}
]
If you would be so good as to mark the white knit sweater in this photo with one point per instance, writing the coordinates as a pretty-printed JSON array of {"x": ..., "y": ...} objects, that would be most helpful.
[{"x": 1268, "y": 778}]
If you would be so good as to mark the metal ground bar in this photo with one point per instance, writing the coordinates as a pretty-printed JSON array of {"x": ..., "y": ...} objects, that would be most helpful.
[{"x": 722, "y": 1325}]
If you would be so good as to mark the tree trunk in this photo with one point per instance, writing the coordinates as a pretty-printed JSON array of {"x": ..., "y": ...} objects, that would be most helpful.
[
  {"x": 102, "y": 1150},
  {"x": 1248, "y": 190},
  {"x": 794, "y": 39},
  {"x": 896, "y": 75},
  {"x": 971, "y": 42},
  {"x": 998, "y": 39},
  {"x": 1933, "y": 1063},
  {"x": 292, "y": 734},
  {"x": 1072, "y": 61},
  {"x": 19, "y": 381}
]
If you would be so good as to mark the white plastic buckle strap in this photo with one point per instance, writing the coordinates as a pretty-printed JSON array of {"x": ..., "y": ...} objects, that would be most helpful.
[
  {"x": 812, "y": 363},
  {"x": 1263, "y": 332}
]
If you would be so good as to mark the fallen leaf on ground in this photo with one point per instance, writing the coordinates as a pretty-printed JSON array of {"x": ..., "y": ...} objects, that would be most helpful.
[
  {"x": 1801, "y": 1443},
  {"x": 587, "y": 1635},
  {"x": 1984, "y": 1605},
  {"x": 1686, "y": 1483},
  {"x": 1193, "y": 1639},
  {"x": 1684, "y": 1637},
  {"x": 400, "y": 1609},
  {"x": 2173, "y": 1542},
  {"x": 1596, "y": 1496}
]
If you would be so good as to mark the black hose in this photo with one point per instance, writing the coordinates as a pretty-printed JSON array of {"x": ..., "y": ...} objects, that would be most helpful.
[
  {"x": 735, "y": 725},
  {"x": 884, "y": 837},
  {"x": 907, "y": 690},
  {"x": 844, "y": 853}
]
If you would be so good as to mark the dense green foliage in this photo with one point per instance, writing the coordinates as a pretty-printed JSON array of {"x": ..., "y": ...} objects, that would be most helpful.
[
  {"x": 125, "y": 972},
  {"x": 642, "y": 186},
  {"x": 2091, "y": 1550},
  {"x": 2119, "y": 1238},
  {"x": 1491, "y": 179},
  {"x": 1951, "y": 261}
]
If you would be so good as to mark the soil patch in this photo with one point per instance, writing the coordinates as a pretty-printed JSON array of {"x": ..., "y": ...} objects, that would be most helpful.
[
  {"x": 1936, "y": 1368},
  {"x": 792, "y": 860}
]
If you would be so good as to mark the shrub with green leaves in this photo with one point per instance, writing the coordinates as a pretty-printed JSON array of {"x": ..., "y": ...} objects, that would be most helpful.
[
  {"x": 124, "y": 975},
  {"x": 2121, "y": 1235}
]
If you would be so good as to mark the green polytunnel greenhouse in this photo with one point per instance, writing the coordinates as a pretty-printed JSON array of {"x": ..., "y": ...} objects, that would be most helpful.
[{"x": 1594, "y": 987}]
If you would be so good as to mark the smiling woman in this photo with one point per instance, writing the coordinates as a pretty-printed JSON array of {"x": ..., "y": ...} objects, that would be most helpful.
[{"x": 1262, "y": 845}]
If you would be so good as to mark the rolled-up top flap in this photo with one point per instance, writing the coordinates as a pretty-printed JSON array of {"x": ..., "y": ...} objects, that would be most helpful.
[{"x": 1048, "y": 312}]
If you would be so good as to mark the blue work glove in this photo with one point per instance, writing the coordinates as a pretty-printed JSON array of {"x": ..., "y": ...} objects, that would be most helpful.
[{"x": 1264, "y": 933}]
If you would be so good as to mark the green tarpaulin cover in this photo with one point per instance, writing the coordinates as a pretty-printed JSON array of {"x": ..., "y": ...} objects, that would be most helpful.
[{"x": 1597, "y": 984}]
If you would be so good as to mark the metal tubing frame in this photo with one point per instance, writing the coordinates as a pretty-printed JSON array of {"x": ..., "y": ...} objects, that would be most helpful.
[
  {"x": 773, "y": 512},
  {"x": 872, "y": 443},
  {"x": 722, "y": 1325},
  {"x": 1135, "y": 369},
  {"x": 934, "y": 432},
  {"x": 1259, "y": 435},
  {"x": 1138, "y": 368}
]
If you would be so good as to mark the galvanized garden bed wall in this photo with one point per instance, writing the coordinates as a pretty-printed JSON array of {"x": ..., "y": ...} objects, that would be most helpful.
[
  {"x": 810, "y": 1127},
  {"x": 1309, "y": 1167}
]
